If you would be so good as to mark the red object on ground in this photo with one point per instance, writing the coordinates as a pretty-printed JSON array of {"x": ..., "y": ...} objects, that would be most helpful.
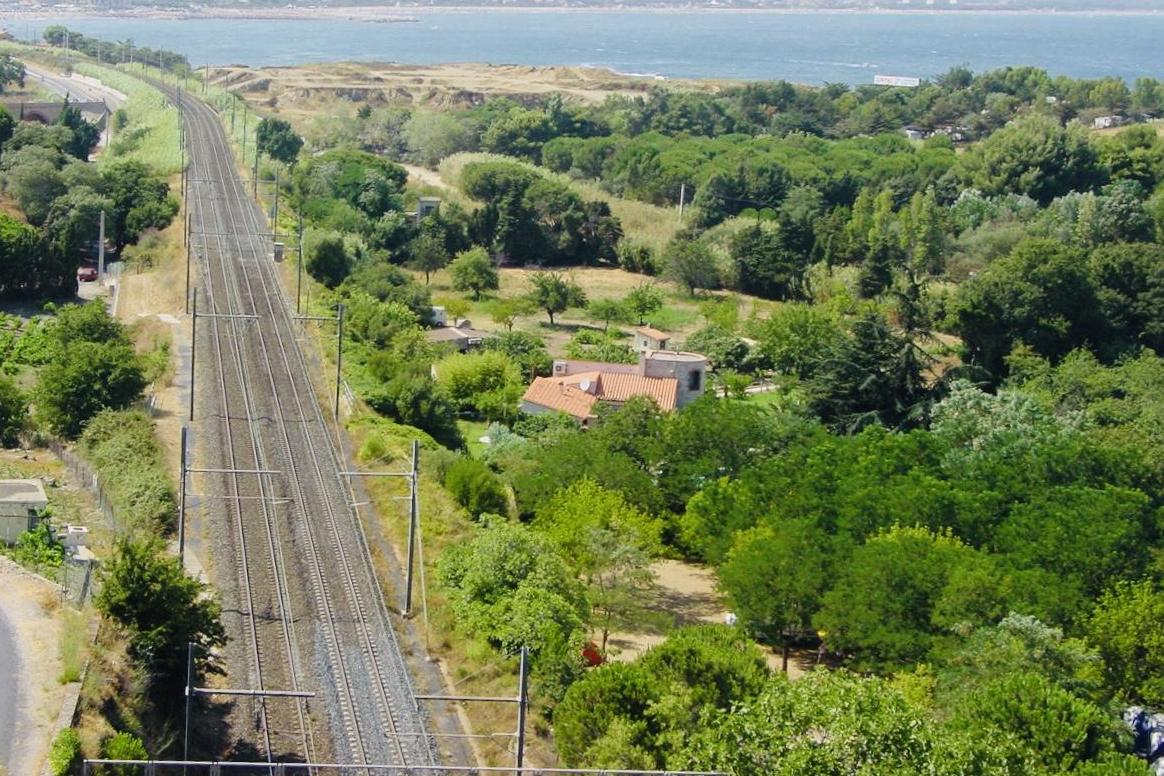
[
  {"x": 87, "y": 274},
  {"x": 591, "y": 655}
]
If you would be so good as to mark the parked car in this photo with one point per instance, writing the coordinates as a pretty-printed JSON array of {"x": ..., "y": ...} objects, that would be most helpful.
[{"x": 86, "y": 274}]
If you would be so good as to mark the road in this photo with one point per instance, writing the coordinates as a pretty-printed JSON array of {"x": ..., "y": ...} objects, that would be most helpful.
[
  {"x": 76, "y": 87},
  {"x": 301, "y": 600},
  {"x": 11, "y": 697}
]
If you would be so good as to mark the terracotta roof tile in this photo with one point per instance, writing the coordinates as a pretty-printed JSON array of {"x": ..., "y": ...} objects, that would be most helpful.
[
  {"x": 565, "y": 394},
  {"x": 552, "y": 394},
  {"x": 664, "y": 390}
]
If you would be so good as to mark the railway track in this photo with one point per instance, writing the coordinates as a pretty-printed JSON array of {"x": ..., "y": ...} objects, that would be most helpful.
[{"x": 308, "y": 606}]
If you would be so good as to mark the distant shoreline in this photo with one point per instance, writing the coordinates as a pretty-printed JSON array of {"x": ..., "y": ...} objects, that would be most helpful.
[{"x": 405, "y": 14}]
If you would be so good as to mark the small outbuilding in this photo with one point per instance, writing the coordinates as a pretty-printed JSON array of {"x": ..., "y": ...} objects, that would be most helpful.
[
  {"x": 462, "y": 336},
  {"x": 22, "y": 507}
]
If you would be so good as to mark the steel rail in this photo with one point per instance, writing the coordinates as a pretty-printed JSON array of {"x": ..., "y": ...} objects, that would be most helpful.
[
  {"x": 278, "y": 322},
  {"x": 349, "y": 719},
  {"x": 357, "y": 599},
  {"x": 285, "y": 618}
]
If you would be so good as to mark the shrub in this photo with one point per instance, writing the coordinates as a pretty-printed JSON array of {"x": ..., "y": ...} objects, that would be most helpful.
[
  {"x": 65, "y": 751},
  {"x": 476, "y": 487},
  {"x": 124, "y": 746},
  {"x": 637, "y": 257},
  {"x": 128, "y": 459}
]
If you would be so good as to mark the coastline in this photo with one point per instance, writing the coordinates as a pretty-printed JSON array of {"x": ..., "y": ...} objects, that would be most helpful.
[{"x": 404, "y": 14}]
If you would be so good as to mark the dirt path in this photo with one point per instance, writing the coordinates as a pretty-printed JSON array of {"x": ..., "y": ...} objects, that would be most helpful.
[
  {"x": 29, "y": 608},
  {"x": 426, "y": 176},
  {"x": 685, "y": 594}
]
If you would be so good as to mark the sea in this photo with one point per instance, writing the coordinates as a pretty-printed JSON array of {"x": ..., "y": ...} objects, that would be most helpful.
[{"x": 803, "y": 47}]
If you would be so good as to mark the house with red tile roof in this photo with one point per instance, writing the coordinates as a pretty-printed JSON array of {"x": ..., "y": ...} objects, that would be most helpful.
[{"x": 672, "y": 378}]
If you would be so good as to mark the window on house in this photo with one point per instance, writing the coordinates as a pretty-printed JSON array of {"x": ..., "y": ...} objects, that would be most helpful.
[{"x": 694, "y": 380}]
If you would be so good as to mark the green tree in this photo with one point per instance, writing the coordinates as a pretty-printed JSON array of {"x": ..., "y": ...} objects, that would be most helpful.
[
  {"x": 7, "y": 125},
  {"x": 607, "y": 311},
  {"x": 85, "y": 135},
  {"x": 1039, "y": 295},
  {"x": 712, "y": 438},
  {"x": 725, "y": 351},
  {"x": 328, "y": 261},
  {"x": 1129, "y": 286},
  {"x": 797, "y": 339},
  {"x": 644, "y": 301},
  {"x": 429, "y": 255},
  {"x": 73, "y": 221},
  {"x": 655, "y": 705},
  {"x": 276, "y": 139},
  {"x": 610, "y": 693},
  {"x": 140, "y": 200},
  {"x": 924, "y": 233},
  {"x": 555, "y": 293},
  {"x": 147, "y": 593},
  {"x": 13, "y": 412},
  {"x": 11, "y": 71},
  {"x": 87, "y": 378},
  {"x": 34, "y": 185},
  {"x": 1036, "y": 156},
  {"x": 487, "y": 383},
  {"x": 1043, "y": 725},
  {"x": 1127, "y": 627},
  {"x": 507, "y": 311},
  {"x": 774, "y": 578},
  {"x": 882, "y": 604},
  {"x": 608, "y": 542},
  {"x": 691, "y": 264},
  {"x": 828, "y": 722},
  {"x": 873, "y": 376},
  {"x": 1088, "y": 536},
  {"x": 90, "y": 322},
  {"x": 1019, "y": 643},
  {"x": 431, "y": 135},
  {"x": 476, "y": 487},
  {"x": 508, "y": 586},
  {"x": 410, "y": 395},
  {"x": 473, "y": 270}
]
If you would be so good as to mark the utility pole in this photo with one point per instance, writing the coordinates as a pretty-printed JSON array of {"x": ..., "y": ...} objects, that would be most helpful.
[
  {"x": 244, "y": 139},
  {"x": 522, "y": 704},
  {"x": 413, "y": 520},
  {"x": 682, "y": 196},
  {"x": 339, "y": 356},
  {"x": 185, "y": 463},
  {"x": 205, "y": 78},
  {"x": 189, "y": 698},
  {"x": 299, "y": 281},
  {"x": 413, "y": 477},
  {"x": 187, "y": 278},
  {"x": 275, "y": 227},
  {"x": 255, "y": 176},
  {"x": 101, "y": 246},
  {"x": 193, "y": 347}
]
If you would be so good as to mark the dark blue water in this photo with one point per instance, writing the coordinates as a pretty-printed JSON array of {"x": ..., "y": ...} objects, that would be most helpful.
[{"x": 804, "y": 47}]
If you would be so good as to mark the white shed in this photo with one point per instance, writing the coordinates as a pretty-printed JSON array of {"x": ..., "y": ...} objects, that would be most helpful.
[{"x": 22, "y": 503}]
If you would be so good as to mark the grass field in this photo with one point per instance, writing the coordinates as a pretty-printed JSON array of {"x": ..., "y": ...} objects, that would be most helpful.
[{"x": 151, "y": 131}]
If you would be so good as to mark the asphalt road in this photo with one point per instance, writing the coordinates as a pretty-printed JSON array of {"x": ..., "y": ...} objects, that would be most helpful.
[
  {"x": 76, "y": 87},
  {"x": 10, "y": 695}
]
